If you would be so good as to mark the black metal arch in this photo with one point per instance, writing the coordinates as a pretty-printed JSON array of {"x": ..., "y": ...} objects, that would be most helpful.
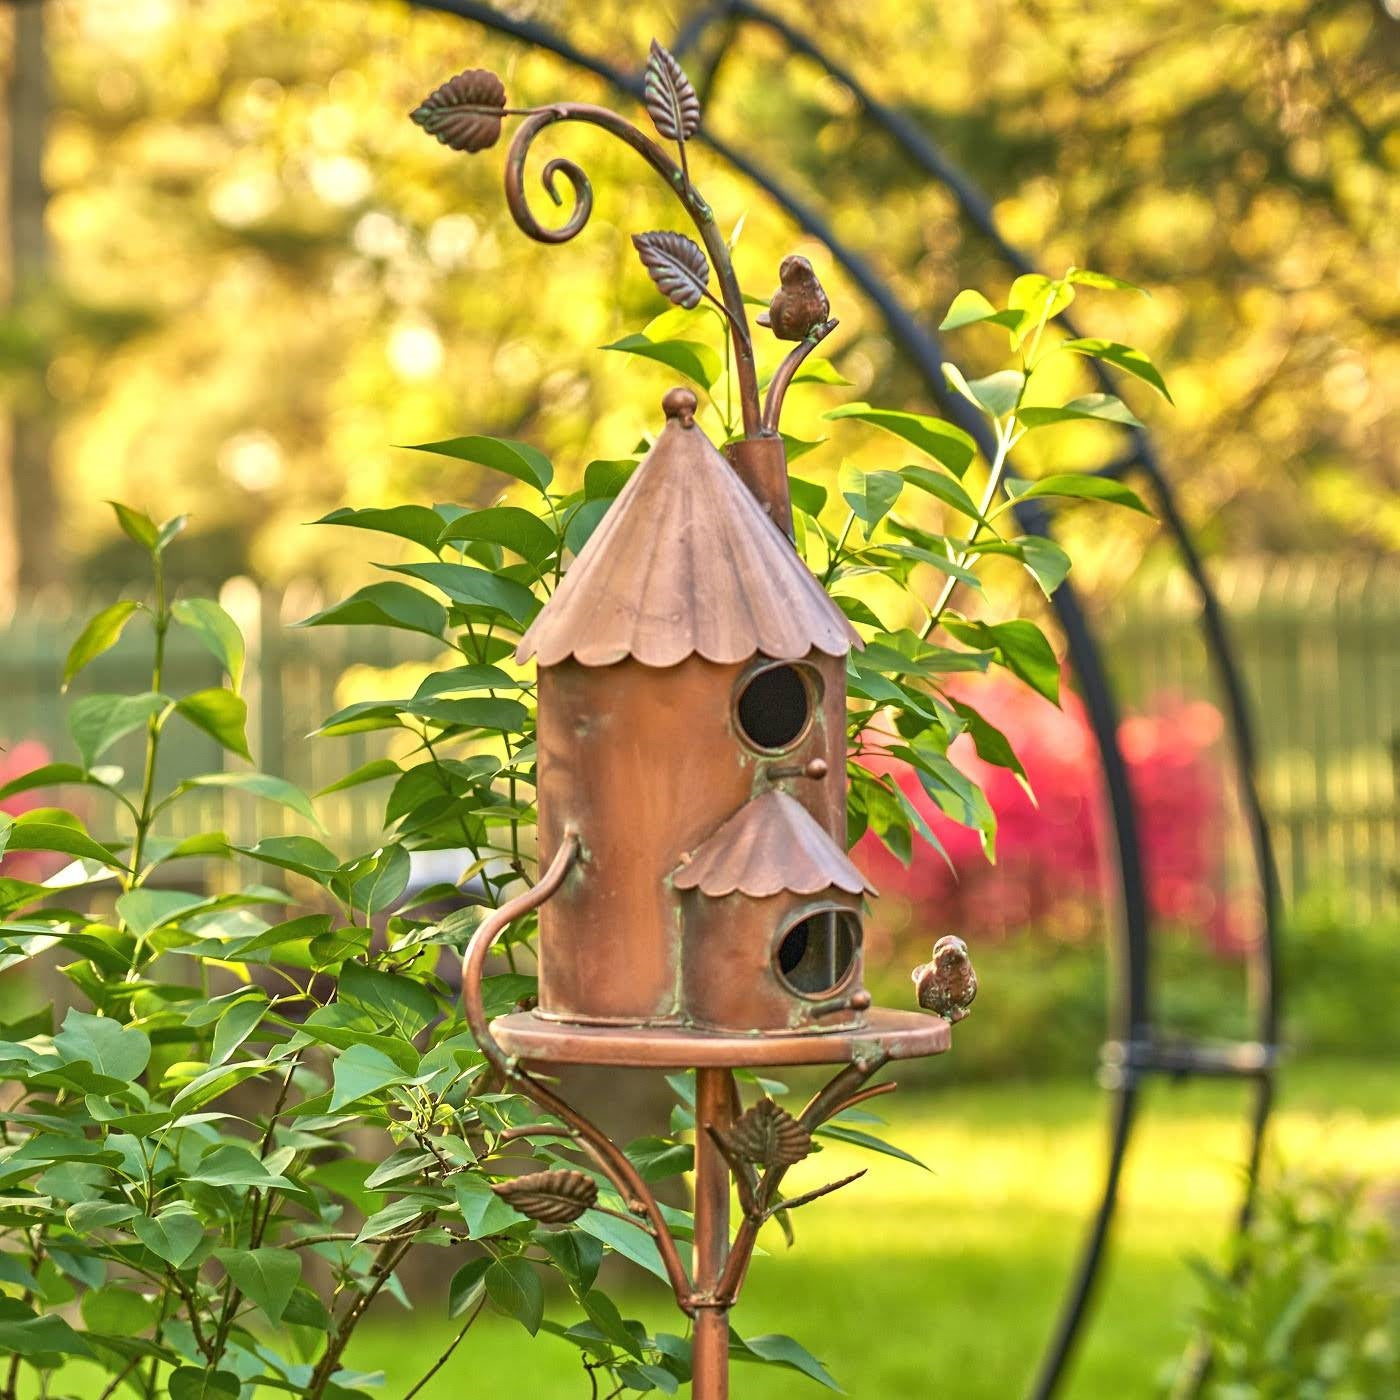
[{"x": 1136, "y": 1050}]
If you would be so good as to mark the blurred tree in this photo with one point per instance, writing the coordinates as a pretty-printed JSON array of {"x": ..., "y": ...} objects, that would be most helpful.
[
  {"x": 28, "y": 505},
  {"x": 265, "y": 275}
]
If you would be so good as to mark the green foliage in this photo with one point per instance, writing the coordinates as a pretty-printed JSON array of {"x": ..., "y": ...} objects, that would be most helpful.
[{"x": 1309, "y": 1304}]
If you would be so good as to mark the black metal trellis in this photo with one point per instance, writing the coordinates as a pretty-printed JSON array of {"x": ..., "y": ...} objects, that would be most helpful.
[{"x": 1136, "y": 1050}]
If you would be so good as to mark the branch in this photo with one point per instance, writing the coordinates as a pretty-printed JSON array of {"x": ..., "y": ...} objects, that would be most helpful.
[{"x": 793, "y": 1202}]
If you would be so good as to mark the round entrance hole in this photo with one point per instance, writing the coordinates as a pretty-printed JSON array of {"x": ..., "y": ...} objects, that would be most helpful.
[
  {"x": 816, "y": 955},
  {"x": 774, "y": 709}
]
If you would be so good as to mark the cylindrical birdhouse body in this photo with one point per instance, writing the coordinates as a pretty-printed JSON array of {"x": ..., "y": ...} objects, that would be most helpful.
[
  {"x": 691, "y": 727},
  {"x": 647, "y": 763}
]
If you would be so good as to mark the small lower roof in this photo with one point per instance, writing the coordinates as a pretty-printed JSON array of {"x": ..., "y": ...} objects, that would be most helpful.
[{"x": 771, "y": 845}]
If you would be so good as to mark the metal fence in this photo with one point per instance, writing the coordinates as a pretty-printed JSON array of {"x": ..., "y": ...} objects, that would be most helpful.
[{"x": 1319, "y": 645}]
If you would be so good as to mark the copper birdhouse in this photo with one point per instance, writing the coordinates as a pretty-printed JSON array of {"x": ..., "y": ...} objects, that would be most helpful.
[
  {"x": 697, "y": 908},
  {"x": 692, "y": 705}
]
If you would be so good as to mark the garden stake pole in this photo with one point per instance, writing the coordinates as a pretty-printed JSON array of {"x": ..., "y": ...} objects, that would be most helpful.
[{"x": 714, "y": 1100}]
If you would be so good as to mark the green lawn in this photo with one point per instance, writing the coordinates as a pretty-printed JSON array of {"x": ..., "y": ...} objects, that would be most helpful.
[{"x": 907, "y": 1277}]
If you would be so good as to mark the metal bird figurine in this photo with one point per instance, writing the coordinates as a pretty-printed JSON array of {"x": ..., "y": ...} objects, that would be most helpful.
[
  {"x": 947, "y": 985},
  {"x": 799, "y": 306}
]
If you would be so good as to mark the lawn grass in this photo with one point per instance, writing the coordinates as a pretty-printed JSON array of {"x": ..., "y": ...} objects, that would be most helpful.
[{"x": 946, "y": 1284}]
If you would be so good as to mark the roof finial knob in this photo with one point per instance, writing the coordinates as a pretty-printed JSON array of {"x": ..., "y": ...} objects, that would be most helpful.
[{"x": 681, "y": 403}]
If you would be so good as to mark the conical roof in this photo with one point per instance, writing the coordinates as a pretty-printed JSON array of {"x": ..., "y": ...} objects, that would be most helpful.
[
  {"x": 770, "y": 845},
  {"x": 686, "y": 563}
]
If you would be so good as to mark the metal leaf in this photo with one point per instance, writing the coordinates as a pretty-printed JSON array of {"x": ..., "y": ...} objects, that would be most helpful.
[
  {"x": 669, "y": 96},
  {"x": 677, "y": 265},
  {"x": 769, "y": 1135},
  {"x": 553, "y": 1198},
  {"x": 465, "y": 112}
]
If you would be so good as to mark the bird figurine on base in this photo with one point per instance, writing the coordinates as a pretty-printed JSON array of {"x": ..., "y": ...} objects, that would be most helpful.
[
  {"x": 946, "y": 985},
  {"x": 799, "y": 305}
]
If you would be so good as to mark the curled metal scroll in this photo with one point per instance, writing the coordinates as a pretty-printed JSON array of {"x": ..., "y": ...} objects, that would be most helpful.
[{"x": 1135, "y": 1051}]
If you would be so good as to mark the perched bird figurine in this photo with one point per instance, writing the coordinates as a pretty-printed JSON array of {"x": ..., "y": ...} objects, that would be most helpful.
[
  {"x": 947, "y": 985},
  {"x": 799, "y": 305}
]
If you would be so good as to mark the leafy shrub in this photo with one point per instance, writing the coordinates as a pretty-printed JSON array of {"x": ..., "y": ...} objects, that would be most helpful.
[{"x": 1308, "y": 1306}]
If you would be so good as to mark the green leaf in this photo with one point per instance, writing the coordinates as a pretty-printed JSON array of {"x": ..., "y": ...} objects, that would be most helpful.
[
  {"x": 778, "y": 1350},
  {"x": 384, "y": 605},
  {"x": 54, "y": 836},
  {"x": 692, "y": 358},
  {"x": 603, "y": 1314},
  {"x": 56, "y": 774},
  {"x": 387, "y": 998},
  {"x": 606, "y": 478},
  {"x": 464, "y": 583},
  {"x": 380, "y": 887},
  {"x": 1105, "y": 408},
  {"x": 1045, "y": 561},
  {"x": 991, "y": 744},
  {"x": 514, "y": 1288},
  {"x": 262, "y": 785},
  {"x": 117, "y": 1051},
  {"x": 220, "y": 714},
  {"x": 137, "y": 526},
  {"x": 142, "y": 910},
  {"x": 1076, "y": 486},
  {"x": 359, "y": 1072},
  {"x": 996, "y": 394},
  {"x": 369, "y": 772},
  {"x": 941, "y": 441},
  {"x": 944, "y": 488},
  {"x": 173, "y": 1235},
  {"x": 416, "y": 523},
  {"x": 630, "y": 1241},
  {"x": 467, "y": 1286},
  {"x": 577, "y": 1256},
  {"x": 216, "y": 630},
  {"x": 512, "y": 528},
  {"x": 235, "y": 1026},
  {"x": 196, "y": 1383},
  {"x": 237, "y": 1166},
  {"x": 1021, "y": 647},
  {"x": 96, "y": 722},
  {"x": 1083, "y": 277},
  {"x": 483, "y": 1212},
  {"x": 118, "y": 1310},
  {"x": 871, "y": 495},
  {"x": 299, "y": 854},
  {"x": 816, "y": 370},
  {"x": 872, "y": 1144},
  {"x": 1037, "y": 298},
  {"x": 1123, "y": 357},
  {"x": 517, "y": 459},
  {"x": 267, "y": 1276},
  {"x": 101, "y": 633},
  {"x": 24, "y": 1334},
  {"x": 970, "y": 308},
  {"x": 583, "y": 522},
  {"x": 807, "y": 495}
]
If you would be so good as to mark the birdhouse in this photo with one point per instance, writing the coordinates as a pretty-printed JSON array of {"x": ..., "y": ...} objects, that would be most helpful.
[{"x": 692, "y": 702}]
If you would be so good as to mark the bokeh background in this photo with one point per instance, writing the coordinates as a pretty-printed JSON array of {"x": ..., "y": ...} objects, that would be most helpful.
[{"x": 234, "y": 276}]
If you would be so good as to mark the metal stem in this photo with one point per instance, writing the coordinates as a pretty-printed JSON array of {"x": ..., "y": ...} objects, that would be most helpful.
[
  {"x": 714, "y": 1099},
  {"x": 731, "y": 298}
]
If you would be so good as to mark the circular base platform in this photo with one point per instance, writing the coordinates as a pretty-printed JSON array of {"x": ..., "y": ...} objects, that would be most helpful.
[{"x": 900, "y": 1035}]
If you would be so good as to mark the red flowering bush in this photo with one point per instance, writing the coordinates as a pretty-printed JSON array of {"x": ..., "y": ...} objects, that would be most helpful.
[{"x": 1049, "y": 874}]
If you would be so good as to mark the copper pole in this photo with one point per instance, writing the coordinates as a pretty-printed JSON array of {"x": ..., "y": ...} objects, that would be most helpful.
[{"x": 714, "y": 1108}]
